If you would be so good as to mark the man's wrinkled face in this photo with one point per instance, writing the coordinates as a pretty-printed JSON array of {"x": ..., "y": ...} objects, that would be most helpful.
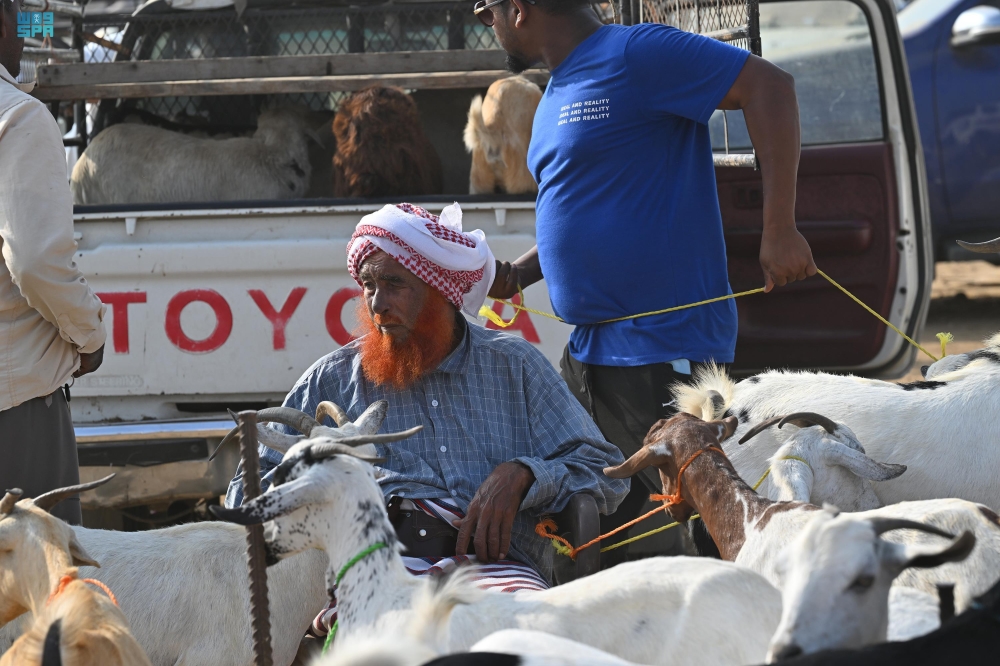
[
  {"x": 407, "y": 326},
  {"x": 394, "y": 296},
  {"x": 11, "y": 46}
]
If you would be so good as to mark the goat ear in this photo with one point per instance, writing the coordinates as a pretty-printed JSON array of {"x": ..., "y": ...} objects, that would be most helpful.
[
  {"x": 640, "y": 460},
  {"x": 725, "y": 428},
  {"x": 80, "y": 556},
  {"x": 276, "y": 502},
  {"x": 921, "y": 556},
  {"x": 860, "y": 464}
]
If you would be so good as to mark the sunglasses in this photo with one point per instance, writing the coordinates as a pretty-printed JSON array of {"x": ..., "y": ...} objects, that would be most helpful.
[{"x": 483, "y": 10}]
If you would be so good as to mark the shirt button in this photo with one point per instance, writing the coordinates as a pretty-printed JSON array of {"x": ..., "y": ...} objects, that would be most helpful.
[
  {"x": 401, "y": 493},
  {"x": 434, "y": 403},
  {"x": 422, "y": 532},
  {"x": 443, "y": 449},
  {"x": 454, "y": 493}
]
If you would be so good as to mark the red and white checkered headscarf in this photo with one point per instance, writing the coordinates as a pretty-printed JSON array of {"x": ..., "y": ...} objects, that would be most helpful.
[{"x": 458, "y": 264}]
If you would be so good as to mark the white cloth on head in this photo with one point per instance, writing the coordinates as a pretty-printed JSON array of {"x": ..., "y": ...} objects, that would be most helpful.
[{"x": 459, "y": 264}]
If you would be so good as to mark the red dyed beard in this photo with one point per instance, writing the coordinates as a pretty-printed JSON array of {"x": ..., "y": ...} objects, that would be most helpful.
[{"x": 400, "y": 364}]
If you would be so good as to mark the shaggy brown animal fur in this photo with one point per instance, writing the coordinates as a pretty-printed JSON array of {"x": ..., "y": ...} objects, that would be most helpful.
[
  {"x": 498, "y": 134},
  {"x": 382, "y": 150}
]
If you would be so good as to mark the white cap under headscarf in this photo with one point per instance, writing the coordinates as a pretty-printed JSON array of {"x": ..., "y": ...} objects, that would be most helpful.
[{"x": 434, "y": 248}]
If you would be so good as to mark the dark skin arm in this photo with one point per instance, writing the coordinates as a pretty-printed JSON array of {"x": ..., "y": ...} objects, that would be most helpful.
[
  {"x": 526, "y": 271},
  {"x": 766, "y": 95},
  {"x": 90, "y": 362},
  {"x": 491, "y": 512}
]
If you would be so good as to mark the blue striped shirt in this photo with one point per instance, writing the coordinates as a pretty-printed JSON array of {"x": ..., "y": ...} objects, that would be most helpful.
[{"x": 495, "y": 398}]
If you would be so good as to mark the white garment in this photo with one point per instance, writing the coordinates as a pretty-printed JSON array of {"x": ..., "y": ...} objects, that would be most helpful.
[{"x": 48, "y": 312}]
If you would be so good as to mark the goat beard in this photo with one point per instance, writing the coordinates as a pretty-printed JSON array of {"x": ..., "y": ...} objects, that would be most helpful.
[{"x": 401, "y": 364}]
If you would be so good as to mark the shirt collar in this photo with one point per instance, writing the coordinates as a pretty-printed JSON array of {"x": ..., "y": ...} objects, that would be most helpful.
[
  {"x": 458, "y": 359},
  {"x": 23, "y": 87}
]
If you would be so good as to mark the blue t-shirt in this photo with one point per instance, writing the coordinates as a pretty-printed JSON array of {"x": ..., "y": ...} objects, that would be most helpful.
[{"x": 628, "y": 214}]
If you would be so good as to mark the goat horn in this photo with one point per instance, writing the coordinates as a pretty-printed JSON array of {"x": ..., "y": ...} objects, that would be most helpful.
[
  {"x": 333, "y": 410},
  {"x": 810, "y": 419},
  {"x": 50, "y": 499},
  {"x": 9, "y": 500},
  {"x": 328, "y": 449},
  {"x": 883, "y": 525},
  {"x": 371, "y": 420},
  {"x": 759, "y": 428},
  {"x": 990, "y": 246},
  {"x": 359, "y": 440},
  {"x": 287, "y": 416}
]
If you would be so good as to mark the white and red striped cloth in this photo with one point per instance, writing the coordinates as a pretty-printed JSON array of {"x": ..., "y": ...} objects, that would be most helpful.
[
  {"x": 500, "y": 576},
  {"x": 458, "y": 264}
]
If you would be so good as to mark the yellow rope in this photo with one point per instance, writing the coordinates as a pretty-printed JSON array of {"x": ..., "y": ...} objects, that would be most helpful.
[
  {"x": 675, "y": 524},
  {"x": 945, "y": 338},
  {"x": 876, "y": 315},
  {"x": 487, "y": 312}
]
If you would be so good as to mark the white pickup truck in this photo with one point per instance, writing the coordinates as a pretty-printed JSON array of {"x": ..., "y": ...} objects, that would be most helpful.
[{"x": 223, "y": 306}]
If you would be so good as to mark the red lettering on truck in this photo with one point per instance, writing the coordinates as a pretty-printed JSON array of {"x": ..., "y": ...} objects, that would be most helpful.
[
  {"x": 223, "y": 320},
  {"x": 335, "y": 314},
  {"x": 119, "y": 302},
  {"x": 280, "y": 318}
]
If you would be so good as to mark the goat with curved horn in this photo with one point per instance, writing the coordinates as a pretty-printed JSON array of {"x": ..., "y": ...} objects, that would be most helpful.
[
  {"x": 9, "y": 500},
  {"x": 320, "y": 449},
  {"x": 53, "y": 497},
  {"x": 325, "y": 448},
  {"x": 989, "y": 246},
  {"x": 334, "y": 411}
]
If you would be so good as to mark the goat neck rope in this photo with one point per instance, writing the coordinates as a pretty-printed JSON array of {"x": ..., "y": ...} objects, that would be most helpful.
[
  {"x": 547, "y": 527},
  {"x": 340, "y": 576},
  {"x": 66, "y": 580},
  {"x": 677, "y": 498},
  {"x": 767, "y": 472}
]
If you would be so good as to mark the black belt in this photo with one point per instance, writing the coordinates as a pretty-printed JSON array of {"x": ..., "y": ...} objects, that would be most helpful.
[{"x": 423, "y": 535}]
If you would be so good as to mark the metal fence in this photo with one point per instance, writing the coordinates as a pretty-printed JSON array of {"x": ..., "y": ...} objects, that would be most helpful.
[{"x": 733, "y": 21}]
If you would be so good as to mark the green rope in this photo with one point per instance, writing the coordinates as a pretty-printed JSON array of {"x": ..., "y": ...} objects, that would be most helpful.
[{"x": 340, "y": 576}]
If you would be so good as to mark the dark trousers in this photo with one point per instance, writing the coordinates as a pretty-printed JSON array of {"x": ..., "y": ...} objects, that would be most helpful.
[
  {"x": 625, "y": 402},
  {"x": 38, "y": 451}
]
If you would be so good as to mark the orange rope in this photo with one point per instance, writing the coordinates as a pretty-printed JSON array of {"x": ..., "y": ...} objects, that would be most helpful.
[
  {"x": 66, "y": 580},
  {"x": 547, "y": 527}
]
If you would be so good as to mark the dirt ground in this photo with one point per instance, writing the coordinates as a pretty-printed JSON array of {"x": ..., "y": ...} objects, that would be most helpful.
[{"x": 965, "y": 301}]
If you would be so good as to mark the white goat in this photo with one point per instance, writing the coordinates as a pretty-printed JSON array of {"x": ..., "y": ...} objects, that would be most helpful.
[
  {"x": 751, "y": 530},
  {"x": 822, "y": 462},
  {"x": 184, "y": 591},
  {"x": 128, "y": 163},
  {"x": 659, "y": 611},
  {"x": 836, "y": 578},
  {"x": 426, "y": 638},
  {"x": 39, "y": 556},
  {"x": 944, "y": 430}
]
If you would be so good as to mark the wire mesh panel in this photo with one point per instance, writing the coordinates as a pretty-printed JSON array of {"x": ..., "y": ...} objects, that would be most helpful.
[
  {"x": 300, "y": 31},
  {"x": 734, "y": 21}
]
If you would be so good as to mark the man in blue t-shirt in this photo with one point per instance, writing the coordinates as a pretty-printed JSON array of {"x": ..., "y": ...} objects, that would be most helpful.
[{"x": 628, "y": 216}]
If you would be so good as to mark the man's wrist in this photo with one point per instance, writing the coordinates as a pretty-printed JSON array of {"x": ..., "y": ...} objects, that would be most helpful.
[{"x": 524, "y": 479}]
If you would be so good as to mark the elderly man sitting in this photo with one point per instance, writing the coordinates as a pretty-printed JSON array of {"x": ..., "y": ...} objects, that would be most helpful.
[{"x": 503, "y": 440}]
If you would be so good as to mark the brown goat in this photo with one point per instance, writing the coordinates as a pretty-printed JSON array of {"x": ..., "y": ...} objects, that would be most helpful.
[
  {"x": 382, "y": 150},
  {"x": 498, "y": 134}
]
